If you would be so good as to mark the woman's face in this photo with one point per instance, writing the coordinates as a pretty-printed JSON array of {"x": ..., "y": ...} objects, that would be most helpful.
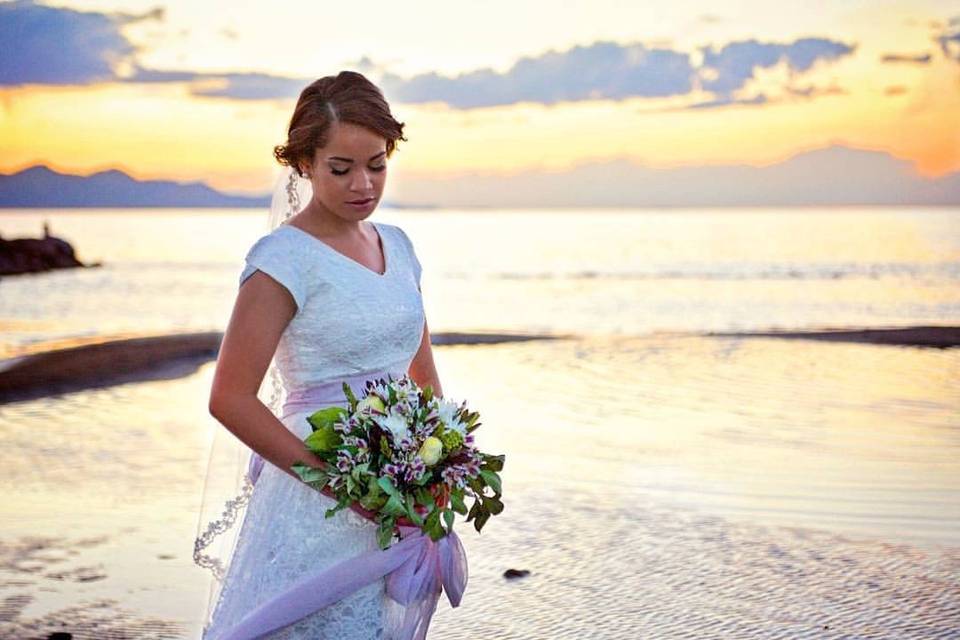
[{"x": 352, "y": 167}]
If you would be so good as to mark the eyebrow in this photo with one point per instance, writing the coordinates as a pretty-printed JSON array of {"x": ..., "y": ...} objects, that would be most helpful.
[{"x": 351, "y": 159}]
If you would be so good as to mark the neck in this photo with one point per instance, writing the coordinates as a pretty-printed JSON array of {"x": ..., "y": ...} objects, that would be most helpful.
[{"x": 323, "y": 222}]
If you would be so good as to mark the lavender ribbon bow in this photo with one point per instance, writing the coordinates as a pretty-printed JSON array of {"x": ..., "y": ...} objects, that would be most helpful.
[{"x": 417, "y": 569}]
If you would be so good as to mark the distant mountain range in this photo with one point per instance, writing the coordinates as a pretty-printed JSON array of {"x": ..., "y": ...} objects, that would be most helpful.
[
  {"x": 834, "y": 175},
  {"x": 42, "y": 187}
]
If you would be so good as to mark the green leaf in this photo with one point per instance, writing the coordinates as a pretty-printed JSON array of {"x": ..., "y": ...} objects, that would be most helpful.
[
  {"x": 347, "y": 391},
  {"x": 323, "y": 440},
  {"x": 385, "y": 533},
  {"x": 311, "y": 475},
  {"x": 432, "y": 525},
  {"x": 493, "y": 505},
  {"x": 415, "y": 517},
  {"x": 481, "y": 520},
  {"x": 427, "y": 393},
  {"x": 423, "y": 496},
  {"x": 448, "y": 518},
  {"x": 359, "y": 471},
  {"x": 492, "y": 479},
  {"x": 394, "y": 507},
  {"x": 456, "y": 499},
  {"x": 387, "y": 485},
  {"x": 342, "y": 504},
  {"x": 373, "y": 503},
  {"x": 325, "y": 417},
  {"x": 494, "y": 463},
  {"x": 474, "y": 510}
]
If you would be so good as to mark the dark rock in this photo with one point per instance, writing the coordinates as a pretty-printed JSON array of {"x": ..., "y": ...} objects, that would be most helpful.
[
  {"x": 515, "y": 573},
  {"x": 30, "y": 255},
  {"x": 60, "y": 635}
]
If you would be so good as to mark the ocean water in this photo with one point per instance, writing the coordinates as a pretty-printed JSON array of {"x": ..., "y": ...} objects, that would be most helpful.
[{"x": 659, "y": 482}]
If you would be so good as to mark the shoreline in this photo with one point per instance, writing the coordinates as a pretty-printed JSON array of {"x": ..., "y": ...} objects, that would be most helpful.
[
  {"x": 936, "y": 336},
  {"x": 104, "y": 361}
]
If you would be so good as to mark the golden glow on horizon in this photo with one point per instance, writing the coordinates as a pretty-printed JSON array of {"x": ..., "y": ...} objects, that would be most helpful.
[{"x": 161, "y": 131}]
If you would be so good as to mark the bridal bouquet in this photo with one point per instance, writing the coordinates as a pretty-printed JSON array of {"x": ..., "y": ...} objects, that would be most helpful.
[{"x": 401, "y": 452}]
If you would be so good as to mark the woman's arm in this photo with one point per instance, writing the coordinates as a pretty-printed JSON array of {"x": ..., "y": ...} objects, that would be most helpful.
[
  {"x": 262, "y": 311},
  {"x": 422, "y": 369},
  {"x": 260, "y": 314}
]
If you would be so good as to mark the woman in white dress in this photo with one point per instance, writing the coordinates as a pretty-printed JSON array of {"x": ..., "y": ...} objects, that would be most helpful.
[{"x": 330, "y": 297}]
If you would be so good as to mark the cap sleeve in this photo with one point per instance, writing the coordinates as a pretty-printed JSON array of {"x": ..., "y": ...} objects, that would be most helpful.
[
  {"x": 415, "y": 263},
  {"x": 270, "y": 256}
]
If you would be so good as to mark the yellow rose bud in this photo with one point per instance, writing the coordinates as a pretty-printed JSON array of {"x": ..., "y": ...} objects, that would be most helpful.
[{"x": 430, "y": 450}]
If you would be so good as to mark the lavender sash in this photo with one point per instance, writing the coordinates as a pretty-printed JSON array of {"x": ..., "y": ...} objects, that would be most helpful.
[{"x": 416, "y": 568}]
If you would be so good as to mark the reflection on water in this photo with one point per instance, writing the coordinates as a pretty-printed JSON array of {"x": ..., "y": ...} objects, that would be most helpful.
[
  {"x": 682, "y": 487},
  {"x": 572, "y": 272}
]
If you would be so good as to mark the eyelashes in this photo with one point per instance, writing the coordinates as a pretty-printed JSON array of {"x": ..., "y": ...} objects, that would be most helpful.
[{"x": 340, "y": 173}]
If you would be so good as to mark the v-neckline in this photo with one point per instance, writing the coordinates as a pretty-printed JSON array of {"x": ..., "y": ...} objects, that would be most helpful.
[{"x": 381, "y": 241}]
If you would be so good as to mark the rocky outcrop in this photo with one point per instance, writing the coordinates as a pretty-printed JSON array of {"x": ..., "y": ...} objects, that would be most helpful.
[{"x": 29, "y": 255}]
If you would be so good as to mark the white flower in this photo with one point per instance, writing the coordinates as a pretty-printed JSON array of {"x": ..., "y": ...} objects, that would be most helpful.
[
  {"x": 395, "y": 424},
  {"x": 447, "y": 411}
]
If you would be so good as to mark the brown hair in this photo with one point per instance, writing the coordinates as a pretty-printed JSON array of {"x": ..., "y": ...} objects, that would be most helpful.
[{"x": 347, "y": 97}]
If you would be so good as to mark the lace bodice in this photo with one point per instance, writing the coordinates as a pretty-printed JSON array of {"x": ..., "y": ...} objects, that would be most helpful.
[{"x": 349, "y": 318}]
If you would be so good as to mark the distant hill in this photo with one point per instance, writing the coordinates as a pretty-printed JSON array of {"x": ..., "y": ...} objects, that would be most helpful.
[
  {"x": 834, "y": 175},
  {"x": 40, "y": 186}
]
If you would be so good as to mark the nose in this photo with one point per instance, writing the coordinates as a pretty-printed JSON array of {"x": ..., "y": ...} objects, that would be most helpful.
[{"x": 363, "y": 183}]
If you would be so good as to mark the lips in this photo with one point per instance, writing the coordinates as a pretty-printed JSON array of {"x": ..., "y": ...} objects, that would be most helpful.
[{"x": 364, "y": 201}]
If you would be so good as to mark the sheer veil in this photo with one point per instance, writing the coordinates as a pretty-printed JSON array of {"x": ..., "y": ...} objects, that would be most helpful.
[{"x": 232, "y": 467}]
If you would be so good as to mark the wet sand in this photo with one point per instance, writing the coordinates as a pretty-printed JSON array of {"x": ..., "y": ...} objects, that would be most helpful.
[
  {"x": 921, "y": 336},
  {"x": 98, "y": 362},
  {"x": 92, "y": 363},
  {"x": 653, "y": 518},
  {"x": 647, "y": 570}
]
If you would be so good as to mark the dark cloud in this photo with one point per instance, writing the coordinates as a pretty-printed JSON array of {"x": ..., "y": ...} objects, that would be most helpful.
[
  {"x": 52, "y": 45},
  {"x": 729, "y": 69},
  {"x": 725, "y": 102},
  {"x": 240, "y": 86},
  {"x": 601, "y": 70},
  {"x": 903, "y": 57}
]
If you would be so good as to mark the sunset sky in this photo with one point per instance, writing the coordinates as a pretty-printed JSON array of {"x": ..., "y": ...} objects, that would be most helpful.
[{"x": 203, "y": 91}]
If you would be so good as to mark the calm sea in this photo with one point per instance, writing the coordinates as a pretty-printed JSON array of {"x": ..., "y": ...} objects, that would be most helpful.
[{"x": 658, "y": 481}]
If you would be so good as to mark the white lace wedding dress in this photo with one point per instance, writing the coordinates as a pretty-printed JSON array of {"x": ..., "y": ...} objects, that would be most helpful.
[{"x": 351, "y": 321}]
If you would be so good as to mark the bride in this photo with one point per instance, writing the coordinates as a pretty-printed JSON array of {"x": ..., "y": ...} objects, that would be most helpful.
[{"x": 330, "y": 297}]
